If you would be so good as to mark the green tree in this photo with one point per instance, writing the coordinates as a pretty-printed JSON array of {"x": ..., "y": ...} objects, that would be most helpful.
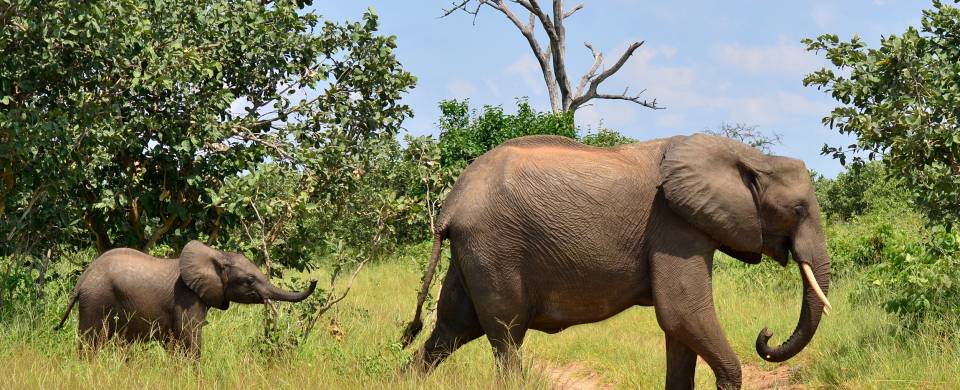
[
  {"x": 466, "y": 134},
  {"x": 860, "y": 189},
  {"x": 116, "y": 119},
  {"x": 750, "y": 135},
  {"x": 902, "y": 102},
  {"x": 606, "y": 137},
  {"x": 551, "y": 56}
]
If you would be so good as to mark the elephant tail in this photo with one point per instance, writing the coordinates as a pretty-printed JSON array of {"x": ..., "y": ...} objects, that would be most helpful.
[
  {"x": 73, "y": 298},
  {"x": 414, "y": 327},
  {"x": 66, "y": 314}
]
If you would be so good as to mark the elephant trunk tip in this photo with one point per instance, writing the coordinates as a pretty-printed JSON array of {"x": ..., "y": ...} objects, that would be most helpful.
[
  {"x": 763, "y": 348},
  {"x": 411, "y": 332},
  {"x": 275, "y": 293}
]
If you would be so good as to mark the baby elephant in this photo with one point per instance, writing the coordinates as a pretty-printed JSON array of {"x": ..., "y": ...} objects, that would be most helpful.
[{"x": 138, "y": 297}]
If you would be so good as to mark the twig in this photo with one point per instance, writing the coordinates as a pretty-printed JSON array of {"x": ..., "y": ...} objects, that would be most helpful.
[
  {"x": 553, "y": 60},
  {"x": 375, "y": 246},
  {"x": 595, "y": 82},
  {"x": 33, "y": 200},
  {"x": 331, "y": 302}
]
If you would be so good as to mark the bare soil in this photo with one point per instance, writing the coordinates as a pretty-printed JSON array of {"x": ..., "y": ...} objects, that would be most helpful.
[
  {"x": 572, "y": 376},
  {"x": 578, "y": 376},
  {"x": 755, "y": 377}
]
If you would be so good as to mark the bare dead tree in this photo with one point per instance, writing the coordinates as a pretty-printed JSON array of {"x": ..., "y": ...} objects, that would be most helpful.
[
  {"x": 750, "y": 135},
  {"x": 552, "y": 61}
]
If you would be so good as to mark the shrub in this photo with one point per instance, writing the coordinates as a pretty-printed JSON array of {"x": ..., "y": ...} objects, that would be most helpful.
[
  {"x": 921, "y": 281},
  {"x": 867, "y": 240},
  {"x": 466, "y": 134},
  {"x": 605, "y": 137},
  {"x": 858, "y": 190}
]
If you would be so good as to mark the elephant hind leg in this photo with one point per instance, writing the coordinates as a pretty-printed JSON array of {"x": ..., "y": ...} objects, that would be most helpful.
[
  {"x": 96, "y": 325},
  {"x": 457, "y": 323},
  {"x": 506, "y": 337}
]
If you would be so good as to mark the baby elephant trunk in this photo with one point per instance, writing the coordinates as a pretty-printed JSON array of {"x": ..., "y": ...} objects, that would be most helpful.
[{"x": 278, "y": 294}]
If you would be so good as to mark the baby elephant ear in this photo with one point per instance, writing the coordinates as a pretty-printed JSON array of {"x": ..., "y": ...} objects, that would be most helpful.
[{"x": 201, "y": 268}]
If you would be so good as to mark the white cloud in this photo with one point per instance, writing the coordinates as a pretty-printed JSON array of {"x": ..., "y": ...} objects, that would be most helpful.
[
  {"x": 493, "y": 87},
  {"x": 769, "y": 108},
  {"x": 668, "y": 84},
  {"x": 611, "y": 116},
  {"x": 589, "y": 117},
  {"x": 528, "y": 69},
  {"x": 461, "y": 89},
  {"x": 693, "y": 92},
  {"x": 782, "y": 58},
  {"x": 684, "y": 88},
  {"x": 824, "y": 16},
  {"x": 672, "y": 120},
  {"x": 798, "y": 104},
  {"x": 667, "y": 51}
]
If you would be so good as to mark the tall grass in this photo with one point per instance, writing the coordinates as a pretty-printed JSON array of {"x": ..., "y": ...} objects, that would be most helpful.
[{"x": 858, "y": 346}]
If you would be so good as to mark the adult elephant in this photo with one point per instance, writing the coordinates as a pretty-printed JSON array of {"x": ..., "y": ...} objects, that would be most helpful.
[
  {"x": 138, "y": 297},
  {"x": 547, "y": 233}
]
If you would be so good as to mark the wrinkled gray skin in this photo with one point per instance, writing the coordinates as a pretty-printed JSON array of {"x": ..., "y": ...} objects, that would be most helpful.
[
  {"x": 546, "y": 233},
  {"x": 137, "y": 297}
]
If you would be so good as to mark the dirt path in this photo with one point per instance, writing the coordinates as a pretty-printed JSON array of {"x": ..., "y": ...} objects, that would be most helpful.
[
  {"x": 577, "y": 376},
  {"x": 755, "y": 377},
  {"x": 573, "y": 376},
  {"x": 758, "y": 378}
]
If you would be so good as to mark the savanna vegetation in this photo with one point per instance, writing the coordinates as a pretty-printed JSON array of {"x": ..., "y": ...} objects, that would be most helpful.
[{"x": 269, "y": 131}]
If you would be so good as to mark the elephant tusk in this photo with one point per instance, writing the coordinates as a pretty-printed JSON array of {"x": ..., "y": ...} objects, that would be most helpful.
[{"x": 808, "y": 273}]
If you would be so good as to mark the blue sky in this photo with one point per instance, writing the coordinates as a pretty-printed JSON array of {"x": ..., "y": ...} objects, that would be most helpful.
[{"x": 707, "y": 62}]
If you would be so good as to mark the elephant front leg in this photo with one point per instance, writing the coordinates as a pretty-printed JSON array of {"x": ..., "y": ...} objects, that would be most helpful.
[
  {"x": 681, "y": 364},
  {"x": 192, "y": 345},
  {"x": 186, "y": 338},
  {"x": 186, "y": 344},
  {"x": 683, "y": 300}
]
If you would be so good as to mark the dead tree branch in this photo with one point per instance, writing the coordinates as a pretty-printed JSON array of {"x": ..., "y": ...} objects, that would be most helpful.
[{"x": 553, "y": 61}]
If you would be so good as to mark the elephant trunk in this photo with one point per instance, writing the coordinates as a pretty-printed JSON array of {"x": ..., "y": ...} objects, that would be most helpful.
[
  {"x": 278, "y": 294},
  {"x": 810, "y": 253}
]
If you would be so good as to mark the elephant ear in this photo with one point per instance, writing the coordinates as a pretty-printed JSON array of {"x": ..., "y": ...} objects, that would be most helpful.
[
  {"x": 201, "y": 268},
  {"x": 712, "y": 182}
]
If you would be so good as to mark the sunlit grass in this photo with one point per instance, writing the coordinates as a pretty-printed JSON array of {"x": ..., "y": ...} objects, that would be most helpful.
[{"x": 858, "y": 346}]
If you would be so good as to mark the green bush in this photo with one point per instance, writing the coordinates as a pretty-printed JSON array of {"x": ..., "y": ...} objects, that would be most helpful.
[
  {"x": 920, "y": 282},
  {"x": 605, "y": 137},
  {"x": 466, "y": 134},
  {"x": 859, "y": 190},
  {"x": 910, "y": 269},
  {"x": 868, "y": 240}
]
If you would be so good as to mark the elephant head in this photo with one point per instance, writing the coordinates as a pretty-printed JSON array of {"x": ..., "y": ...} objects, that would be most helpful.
[
  {"x": 219, "y": 278},
  {"x": 753, "y": 204}
]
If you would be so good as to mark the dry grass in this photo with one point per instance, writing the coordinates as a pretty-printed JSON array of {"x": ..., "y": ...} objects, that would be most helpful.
[{"x": 859, "y": 346}]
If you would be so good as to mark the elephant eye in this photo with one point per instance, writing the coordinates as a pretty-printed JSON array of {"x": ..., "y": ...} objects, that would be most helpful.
[
  {"x": 799, "y": 210},
  {"x": 250, "y": 280}
]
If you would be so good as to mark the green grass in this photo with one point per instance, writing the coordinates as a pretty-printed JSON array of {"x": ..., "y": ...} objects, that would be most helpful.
[{"x": 858, "y": 346}]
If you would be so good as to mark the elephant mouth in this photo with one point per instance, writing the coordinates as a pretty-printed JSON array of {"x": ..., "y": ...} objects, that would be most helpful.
[
  {"x": 257, "y": 297},
  {"x": 782, "y": 252}
]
